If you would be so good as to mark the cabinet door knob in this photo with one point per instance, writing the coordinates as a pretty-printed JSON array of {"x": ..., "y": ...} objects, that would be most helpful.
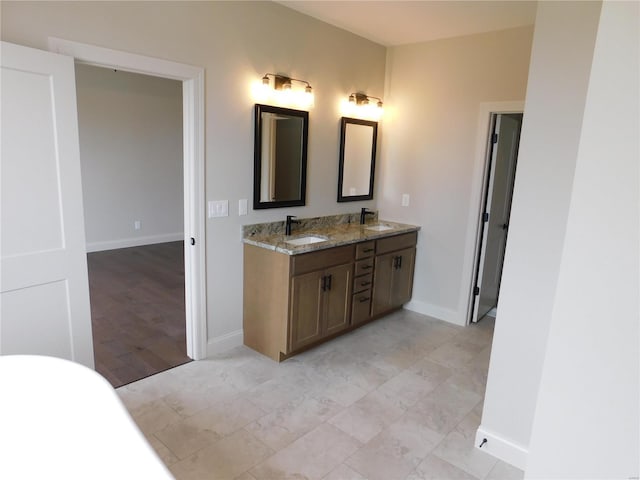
[
  {"x": 364, "y": 299},
  {"x": 329, "y": 282}
]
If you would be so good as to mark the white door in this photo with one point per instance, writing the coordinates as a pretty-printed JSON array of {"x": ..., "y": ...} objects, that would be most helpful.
[
  {"x": 499, "y": 192},
  {"x": 44, "y": 293}
]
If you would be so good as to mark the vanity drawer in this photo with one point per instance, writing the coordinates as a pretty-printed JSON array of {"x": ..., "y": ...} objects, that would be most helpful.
[
  {"x": 397, "y": 242},
  {"x": 362, "y": 282},
  {"x": 309, "y": 262},
  {"x": 365, "y": 249},
  {"x": 364, "y": 266},
  {"x": 361, "y": 307}
]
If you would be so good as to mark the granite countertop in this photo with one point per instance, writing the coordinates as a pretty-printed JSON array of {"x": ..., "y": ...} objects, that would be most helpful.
[{"x": 337, "y": 235}]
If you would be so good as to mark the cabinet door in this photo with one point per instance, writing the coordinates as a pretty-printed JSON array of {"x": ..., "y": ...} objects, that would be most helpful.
[
  {"x": 402, "y": 277},
  {"x": 382, "y": 281},
  {"x": 393, "y": 280},
  {"x": 306, "y": 309},
  {"x": 337, "y": 298}
]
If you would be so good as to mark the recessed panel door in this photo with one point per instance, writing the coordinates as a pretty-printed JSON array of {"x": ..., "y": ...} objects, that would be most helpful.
[
  {"x": 337, "y": 301},
  {"x": 306, "y": 309},
  {"x": 402, "y": 284},
  {"x": 44, "y": 292}
]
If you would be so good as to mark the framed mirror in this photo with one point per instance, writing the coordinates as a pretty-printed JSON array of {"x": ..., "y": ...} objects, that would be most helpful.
[
  {"x": 357, "y": 159},
  {"x": 280, "y": 157}
]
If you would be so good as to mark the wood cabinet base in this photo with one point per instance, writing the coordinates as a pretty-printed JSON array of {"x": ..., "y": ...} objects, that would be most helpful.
[
  {"x": 295, "y": 302},
  {"x": 282, "y": 356}
]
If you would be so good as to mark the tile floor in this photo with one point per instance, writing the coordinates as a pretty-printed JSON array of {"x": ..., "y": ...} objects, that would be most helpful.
[{"x": 400, "y": 398}]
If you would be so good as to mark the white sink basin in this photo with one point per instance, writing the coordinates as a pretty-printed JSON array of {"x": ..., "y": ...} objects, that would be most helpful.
[
  {"x": 306, "y": 240},
  {"x": 379, "y": 228}
]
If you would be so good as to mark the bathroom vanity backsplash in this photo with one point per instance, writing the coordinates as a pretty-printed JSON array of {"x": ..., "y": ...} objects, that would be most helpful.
[{"x": 275, "y": 228}]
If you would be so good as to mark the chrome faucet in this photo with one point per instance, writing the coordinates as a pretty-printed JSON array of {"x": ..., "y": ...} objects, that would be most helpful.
[
  {"x": 363, "y": 214},
  {"x": 290, "y": 221}
]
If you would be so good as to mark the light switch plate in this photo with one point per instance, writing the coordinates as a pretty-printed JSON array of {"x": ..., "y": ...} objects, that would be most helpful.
[
  {"x": 405, "y": 199},
  {"x": 218, "y": 208},
  {"x": 242, "y": 206}
]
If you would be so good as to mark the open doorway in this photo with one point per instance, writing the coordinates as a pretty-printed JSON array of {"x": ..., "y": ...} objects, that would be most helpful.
[
  {"x": 192, "y": 79},
  {"x": 130, "y": 129},
  {"x": 500, "y": 167}
]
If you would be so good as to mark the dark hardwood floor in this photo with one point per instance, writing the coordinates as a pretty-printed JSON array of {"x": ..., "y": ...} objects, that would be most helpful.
[{"x": 137, "y": 310}]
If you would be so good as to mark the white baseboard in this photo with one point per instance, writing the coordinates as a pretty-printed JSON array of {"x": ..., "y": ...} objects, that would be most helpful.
[
  {"x": 439, "y": 313},
  {"x": 134, "y": 242},
  {"x": 499, "y": 447},
  {"x": 493, "y": 312},
  {"x": 225, "y": 342}
]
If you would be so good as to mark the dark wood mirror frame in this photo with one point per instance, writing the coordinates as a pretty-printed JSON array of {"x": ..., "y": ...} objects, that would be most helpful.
[
  {"x": 300, "y": 199},
  {"x": 341, "y": 171}
]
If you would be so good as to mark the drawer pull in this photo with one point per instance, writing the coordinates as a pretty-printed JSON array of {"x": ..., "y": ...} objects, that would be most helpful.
[
  {"x": 367, "y": 250},
  {"x": 364, "y": 299},
  {"x": 367, "y": 267},
  {"x": 364, "y": 284}
]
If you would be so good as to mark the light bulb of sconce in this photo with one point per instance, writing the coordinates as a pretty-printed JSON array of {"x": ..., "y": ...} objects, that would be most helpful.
[
  {"x": 349, "y": 108},
  {"x": 265, "y": 80},
  {"x": 352, "y": 98},
  {"x": 308, "y": 89},
  {"x": 309, "y": 99},
  {"x": 286, "y": 86},
  {"x": 261, "y": 92},
  {"x": 379, "y": 103}
]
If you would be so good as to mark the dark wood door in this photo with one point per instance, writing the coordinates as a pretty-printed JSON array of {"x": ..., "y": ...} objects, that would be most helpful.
[
  {"x": 337, "y": 298},
  {"x": 382, "y": 280},
  {"x": 402, "y": 278},
  {"x": 393, "y": 280},
  {"x": 306, "y": 309}
]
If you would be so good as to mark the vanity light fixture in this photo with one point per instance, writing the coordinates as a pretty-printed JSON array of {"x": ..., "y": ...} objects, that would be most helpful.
[
  {"x": 282, "y": 92},
  {"x": 363, "y": 99},
  {"x": 361, "y": 105}
]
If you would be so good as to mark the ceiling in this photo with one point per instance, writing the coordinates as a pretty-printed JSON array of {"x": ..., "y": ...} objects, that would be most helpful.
[{"x": 392, "y": 23}]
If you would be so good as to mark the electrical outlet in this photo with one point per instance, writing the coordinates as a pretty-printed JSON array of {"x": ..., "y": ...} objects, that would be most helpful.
[
  {"x": 405, "y": 199},
  {"x": 136, "y": 224}
]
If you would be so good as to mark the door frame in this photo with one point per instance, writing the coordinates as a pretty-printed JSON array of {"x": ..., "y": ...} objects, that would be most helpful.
[
  {"x": 493, "y": 142},
  {"x": 192, "y": 79},
  {"x": 478, "y": 193}
]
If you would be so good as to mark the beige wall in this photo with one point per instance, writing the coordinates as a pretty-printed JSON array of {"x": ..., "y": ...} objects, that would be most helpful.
[
  {"x": 591, "y": 367},
  {"x": 131, "y": 157},
  {"x": 561, "y": 58},
  {"x": 434, "y": 91},
  {"x": 236, "y": 42}
]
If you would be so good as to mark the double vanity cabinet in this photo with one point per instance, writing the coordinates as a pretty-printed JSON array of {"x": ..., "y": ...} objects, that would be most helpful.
[{"x": 296, "y": 297}]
